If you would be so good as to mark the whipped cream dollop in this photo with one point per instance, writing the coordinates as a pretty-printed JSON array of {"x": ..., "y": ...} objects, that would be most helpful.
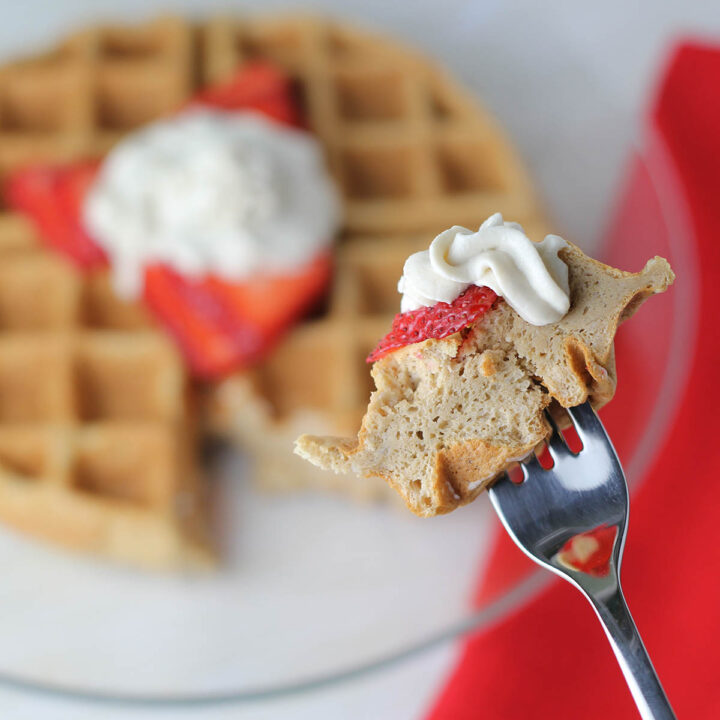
[
  {"x": 530, "y": 276},
  {"x": 212, "y": 192}
]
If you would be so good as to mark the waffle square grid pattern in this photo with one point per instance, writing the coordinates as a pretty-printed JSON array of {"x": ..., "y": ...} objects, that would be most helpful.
[{"x": 94, "y": 418}]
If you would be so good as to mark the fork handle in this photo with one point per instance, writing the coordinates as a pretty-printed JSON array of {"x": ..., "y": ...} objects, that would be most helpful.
[{"x": 632, "y": 656}]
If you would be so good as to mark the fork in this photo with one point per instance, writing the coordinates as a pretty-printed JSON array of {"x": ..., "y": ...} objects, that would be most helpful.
[{"x": 572, "y": 520}]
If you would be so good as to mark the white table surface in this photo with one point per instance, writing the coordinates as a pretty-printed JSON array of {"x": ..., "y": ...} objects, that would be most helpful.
[{"x": 568, "y": 79}]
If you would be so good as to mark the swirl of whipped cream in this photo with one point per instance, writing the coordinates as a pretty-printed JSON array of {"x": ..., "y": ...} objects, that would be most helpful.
[
  {"x": 209, "y": 191},
  {"x": 530, "y": 276}
]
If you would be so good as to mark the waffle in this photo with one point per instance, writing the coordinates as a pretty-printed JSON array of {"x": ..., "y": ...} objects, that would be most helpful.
[
  {"x": 94, "y": 422},
  {"x": 412, "y": 154}
]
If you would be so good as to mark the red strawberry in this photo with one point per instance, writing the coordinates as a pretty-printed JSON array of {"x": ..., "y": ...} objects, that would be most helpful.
[
  {"x": 211, "y": 338},
  {"x": 220, "y": 326},
  {"x": 437, "y": 321},
  {"x": 53, "y": 197},
  {"x": 256, "y": 86},
  {"x": 274, "y": 302}
]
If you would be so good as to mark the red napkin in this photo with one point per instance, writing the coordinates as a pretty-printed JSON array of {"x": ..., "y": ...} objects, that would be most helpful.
[{"x": 551, "y": 659}]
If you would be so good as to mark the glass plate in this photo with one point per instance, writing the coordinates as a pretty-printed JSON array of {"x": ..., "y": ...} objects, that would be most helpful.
[{"x": 314, "y": 590}]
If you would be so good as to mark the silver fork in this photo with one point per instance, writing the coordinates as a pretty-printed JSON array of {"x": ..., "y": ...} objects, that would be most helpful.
[{"x": 572, "y": 519}]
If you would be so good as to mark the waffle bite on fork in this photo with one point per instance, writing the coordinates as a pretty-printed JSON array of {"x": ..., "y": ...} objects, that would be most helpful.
[{"x": 493, "y": 330}]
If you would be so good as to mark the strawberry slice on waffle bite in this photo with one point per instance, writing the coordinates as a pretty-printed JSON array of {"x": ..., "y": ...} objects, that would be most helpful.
[
  {"x": 225, "y": 304},
  {"x": 463, "y": 274},
  {"x": 437, "y": 321}
]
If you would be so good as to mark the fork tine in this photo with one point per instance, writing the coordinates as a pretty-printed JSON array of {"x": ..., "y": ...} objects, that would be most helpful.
[
  {"x": 503, "y": 491},
  {"x": 587, "y": 423},
  {"x": 557, "y": 447},
  {"x": 531, "y": 465}
]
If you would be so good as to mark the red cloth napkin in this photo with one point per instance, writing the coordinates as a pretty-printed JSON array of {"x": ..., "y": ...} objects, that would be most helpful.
[{"x": 551, "y": 659}]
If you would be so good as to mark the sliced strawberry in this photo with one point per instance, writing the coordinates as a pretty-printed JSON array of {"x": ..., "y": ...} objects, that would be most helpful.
[
  {"x": 437, "y": 321},
  {"x": 52, "y": 197},
  {"x": 274, "y": 302},
  {"x": 212, "y": 340},
  {"x": 256, "y": 86},
  {"x": 222, "y": 326}
]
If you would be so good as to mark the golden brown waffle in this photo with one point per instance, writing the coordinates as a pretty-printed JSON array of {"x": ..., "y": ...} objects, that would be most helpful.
[
  {"x": 412, "y": 152},
  {"x": 95, "y": 431}
]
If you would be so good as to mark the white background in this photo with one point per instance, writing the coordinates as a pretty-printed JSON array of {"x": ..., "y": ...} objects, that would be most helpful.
[{"x": 568, "y": 79}]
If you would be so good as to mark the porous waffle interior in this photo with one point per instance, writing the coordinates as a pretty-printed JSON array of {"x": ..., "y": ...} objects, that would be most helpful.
[
  {"x": 95, "y": 429},
  {"x": 412, "y": 153}
]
